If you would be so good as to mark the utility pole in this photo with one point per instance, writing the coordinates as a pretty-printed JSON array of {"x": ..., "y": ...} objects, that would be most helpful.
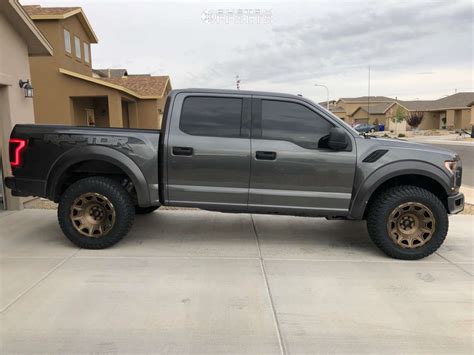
[
  {"x": 327, "y": 93},
  {"x": 368, "y": 97}
]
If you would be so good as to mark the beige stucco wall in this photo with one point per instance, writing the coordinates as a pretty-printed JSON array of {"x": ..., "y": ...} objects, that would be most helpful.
[
  {"x": 465, "y": 118},
  {"x": 54, "y": 90},
  {"x": 14, "y": 107},
  {"x": 430, "y": 120},
  {"x": 450, "y": 119},
  {"x": 148, "y": 114},
  {"x": 360, "y": 117},
  {"x": 380, "y": 119}
]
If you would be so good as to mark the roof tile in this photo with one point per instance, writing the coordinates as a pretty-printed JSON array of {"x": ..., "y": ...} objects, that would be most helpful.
[
  {"x": 34, "y": 10},
  {"x": 142, "y": 85}
]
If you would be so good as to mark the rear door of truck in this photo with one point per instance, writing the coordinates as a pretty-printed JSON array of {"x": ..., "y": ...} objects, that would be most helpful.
[{"x": 208, "y": 151}]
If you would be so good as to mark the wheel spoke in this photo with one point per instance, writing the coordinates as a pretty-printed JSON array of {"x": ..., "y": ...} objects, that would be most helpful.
[
  {"x": 92, "y": 215},
  {"x": 411, "y": 225}
]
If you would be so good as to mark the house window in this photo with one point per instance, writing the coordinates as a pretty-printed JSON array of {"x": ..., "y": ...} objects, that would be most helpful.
[
  {"x": 77, "y": 45},
  {"x": 67, "y": 41},
  {"x": 86, "y": 53}
]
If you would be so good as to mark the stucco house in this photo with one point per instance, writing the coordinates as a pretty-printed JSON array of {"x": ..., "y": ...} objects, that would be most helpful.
[
  {"x": 19, "y": 39},
  {"x": 450, "y": 112},
  {"x": 69, "y": 91}
]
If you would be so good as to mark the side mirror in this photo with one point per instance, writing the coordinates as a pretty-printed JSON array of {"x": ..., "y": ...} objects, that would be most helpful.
[{"x": 337, "y": 139}]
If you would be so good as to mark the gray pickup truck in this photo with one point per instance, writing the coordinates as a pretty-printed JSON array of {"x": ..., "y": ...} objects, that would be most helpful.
[{"x": 245, "y": 152}]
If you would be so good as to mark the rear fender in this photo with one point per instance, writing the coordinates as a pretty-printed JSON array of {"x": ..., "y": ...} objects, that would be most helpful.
[{"x": 101, "y": 153}]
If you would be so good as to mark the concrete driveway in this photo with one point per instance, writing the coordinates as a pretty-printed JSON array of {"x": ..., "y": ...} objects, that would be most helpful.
[{"x": 201, "y": 282}]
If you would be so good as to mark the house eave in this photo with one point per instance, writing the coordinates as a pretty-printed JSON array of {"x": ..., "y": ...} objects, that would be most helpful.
[
  {"x": 37, "y": 43},
  {"x": 107, "y": 84},
  {"x": 82, "y": 18}
]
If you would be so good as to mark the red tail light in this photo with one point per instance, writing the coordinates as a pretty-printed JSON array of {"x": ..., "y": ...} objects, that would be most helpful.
[{"x": 17, "y": 146}]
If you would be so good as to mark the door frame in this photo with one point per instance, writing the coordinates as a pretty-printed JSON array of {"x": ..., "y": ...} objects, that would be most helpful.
[
  {"x": 256, "y": 133},
  {"x": 172, "y": 127}
]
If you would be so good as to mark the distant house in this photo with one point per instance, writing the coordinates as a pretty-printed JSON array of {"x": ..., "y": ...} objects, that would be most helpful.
[
  {"x": 451, "y": 112},
  {"x": 67, "y": 89}
]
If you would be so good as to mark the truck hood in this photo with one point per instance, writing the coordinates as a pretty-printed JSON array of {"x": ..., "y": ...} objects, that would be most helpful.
[{"x": 431, "y": 149}]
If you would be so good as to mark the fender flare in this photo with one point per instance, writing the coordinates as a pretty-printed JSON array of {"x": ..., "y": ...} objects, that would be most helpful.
[
  {"x": 106, "y": 154},
  {"x": 387, "y": 172}
]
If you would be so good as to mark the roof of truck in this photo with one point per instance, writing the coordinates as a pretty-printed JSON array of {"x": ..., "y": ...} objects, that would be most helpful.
[{"x": 239, "y": 92}]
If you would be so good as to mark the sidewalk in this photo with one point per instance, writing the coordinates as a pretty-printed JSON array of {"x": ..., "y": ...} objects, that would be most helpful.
[
  {"x": 468, "y": 194},
  {"x": 202, "y": 282},
  {"x": 453, "y": 139}
]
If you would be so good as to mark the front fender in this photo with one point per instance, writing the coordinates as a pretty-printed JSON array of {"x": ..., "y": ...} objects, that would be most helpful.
[
  {"x": 102, "y": 153},
  {"x": 389, "y": 171}
]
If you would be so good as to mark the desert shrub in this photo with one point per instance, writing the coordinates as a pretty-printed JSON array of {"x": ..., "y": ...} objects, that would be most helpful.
[{"x": 414, "y": 119}]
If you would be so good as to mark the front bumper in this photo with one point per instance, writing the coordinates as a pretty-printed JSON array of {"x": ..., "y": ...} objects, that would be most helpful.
[{"x": 456, "y": 203}]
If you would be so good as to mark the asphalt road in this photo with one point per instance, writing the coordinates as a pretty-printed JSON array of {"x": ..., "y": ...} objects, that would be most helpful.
[{"x": 466, "y": 152}]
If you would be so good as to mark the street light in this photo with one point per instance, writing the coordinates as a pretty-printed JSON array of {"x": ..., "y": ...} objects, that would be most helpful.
[{"x": 327, "y": 92}]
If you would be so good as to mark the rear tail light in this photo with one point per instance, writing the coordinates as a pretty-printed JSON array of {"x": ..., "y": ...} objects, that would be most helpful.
[{"x": 17, "y": 146}]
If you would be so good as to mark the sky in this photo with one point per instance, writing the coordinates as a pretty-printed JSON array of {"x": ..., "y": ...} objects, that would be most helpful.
[{"x": 415, "y": 49}]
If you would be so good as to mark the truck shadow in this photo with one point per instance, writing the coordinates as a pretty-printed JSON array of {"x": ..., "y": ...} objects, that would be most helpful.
[{"x": 278, "y": 236}]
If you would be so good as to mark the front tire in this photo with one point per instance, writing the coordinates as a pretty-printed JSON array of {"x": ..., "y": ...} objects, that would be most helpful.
[
  {"x": 95, "y": 212},
  {"x": 407, "y": 222}
]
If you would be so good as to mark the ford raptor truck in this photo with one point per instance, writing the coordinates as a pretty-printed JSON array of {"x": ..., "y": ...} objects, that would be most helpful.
[{"x": 239, "y": 152}]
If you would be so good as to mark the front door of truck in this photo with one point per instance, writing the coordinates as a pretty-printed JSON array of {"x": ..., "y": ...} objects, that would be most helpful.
[
  {"x": 292, "y": 170},
  {"x": 208, "y": 151}
]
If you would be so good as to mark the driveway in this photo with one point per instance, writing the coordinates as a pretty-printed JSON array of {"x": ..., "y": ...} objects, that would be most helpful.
[{"x": 200, "y": 282}]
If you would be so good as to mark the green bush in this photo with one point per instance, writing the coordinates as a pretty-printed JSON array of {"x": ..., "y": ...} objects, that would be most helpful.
[{"x": 401, "y": 135}]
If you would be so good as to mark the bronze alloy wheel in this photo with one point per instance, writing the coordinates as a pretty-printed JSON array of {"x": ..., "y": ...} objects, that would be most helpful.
[
  {"x": 92, "y": 215},
  {"x": 411, "y": 225}
]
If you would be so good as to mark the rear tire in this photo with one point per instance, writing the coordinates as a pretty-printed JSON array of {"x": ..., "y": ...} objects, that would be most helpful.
[
  {"x": 145, "y": 210},
  {"x": 95, "y": 212},
  {"x": 407, "y": 222}
]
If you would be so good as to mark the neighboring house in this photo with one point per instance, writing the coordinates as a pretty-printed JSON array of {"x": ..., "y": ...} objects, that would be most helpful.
[
  {"x": 347, "y": 108},
  {"x": 451, "y": 112},
  {"x": 19, "y": 38},
  {"x": 67, "y": 89}
]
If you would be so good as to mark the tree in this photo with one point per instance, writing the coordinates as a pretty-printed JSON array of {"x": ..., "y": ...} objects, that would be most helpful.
[
  {"x": 400, "y": 115},
  {"x": 415, "y": 118}
]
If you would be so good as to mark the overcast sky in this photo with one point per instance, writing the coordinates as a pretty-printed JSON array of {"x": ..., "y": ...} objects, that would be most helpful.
[{"x": 416, "y": 49}]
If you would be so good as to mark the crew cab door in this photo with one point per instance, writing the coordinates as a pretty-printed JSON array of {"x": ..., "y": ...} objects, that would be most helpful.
[
  {"x": 208, "y": 151},
  {"x": 292, "y": 170}
]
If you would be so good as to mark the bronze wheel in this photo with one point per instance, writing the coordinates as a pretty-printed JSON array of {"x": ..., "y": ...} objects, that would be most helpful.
[
  {"x": 92, "y": 215},
  {"x": 411, "y": 225}
]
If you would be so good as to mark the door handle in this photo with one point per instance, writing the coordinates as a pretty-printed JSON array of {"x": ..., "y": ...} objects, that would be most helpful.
[
  {"x": 261, "y": 155},
  {"x": 187, "y": 151}
]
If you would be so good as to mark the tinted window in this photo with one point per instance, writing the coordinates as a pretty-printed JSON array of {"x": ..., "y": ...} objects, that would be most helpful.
[
  {"x": 293, "y": 122},
  {"x": 211, "y": 116}
]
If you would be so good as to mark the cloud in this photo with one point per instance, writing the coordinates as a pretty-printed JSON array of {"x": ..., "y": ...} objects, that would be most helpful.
[{"x": 391, "y": 36}]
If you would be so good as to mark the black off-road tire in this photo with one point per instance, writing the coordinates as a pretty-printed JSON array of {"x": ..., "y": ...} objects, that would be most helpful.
[
  {"x": 380, "y": 210},
  {"x": 145, "y": 210},
  {"x": 115, "y": 193}
]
